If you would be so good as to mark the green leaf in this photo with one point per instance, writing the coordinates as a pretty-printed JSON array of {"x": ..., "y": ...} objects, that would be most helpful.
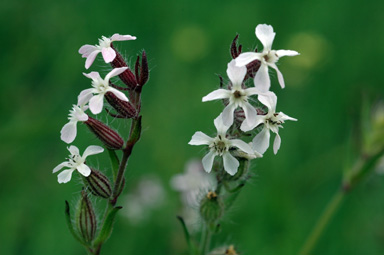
[
  {"x": 69, "y": 224},
  {"x": 106, "y": 230},
  {"x": 115, "y": 162}
]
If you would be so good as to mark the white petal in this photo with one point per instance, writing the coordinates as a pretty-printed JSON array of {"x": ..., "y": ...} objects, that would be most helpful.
[
  {"x": 208, "y": 161},
  {"x": 259, "y": 120},
  {"x": 217, "y": 94},
  {"x": 119, "y": 94},
  {"x": 65, "y": 176},
  {"x": 199, "y": 138},
  {"x": 268, "y": 99},
  {"x": 84, "y": 96},
  {"x": 242, "y": 145},
  {"x": 231, "y": 164},
  {"x": 262, "y": 81},
  {"x": 250, "y": 114},
  {"x": 87, "y": 49},
  {"x": 227, "y": 117},
  {"x": 282, "y": 53},
  {"x": 247, "y": 57},
  {"x": 286, "y": 117},
  {"x": 236, "y": 73},
  {"x": 117, "y": 37},
  {"x": 251, "y": 91},
  {"x": 92, "y": 75},
  {"x": 279, "y": 75},
  {"x": 96, "y": 104},
  {"x": 73, "y": 150},
  {"x": 84, "y": 170},
  {"x": 276, "y": 143},
  {"x": 266, "y": 35},
  {"x": 91, "y": 58},
  {"x": 261, "y": 141},
  {"x": 115, "y": 72},
  {"x": 109, "y": 54},
  {"x": 68, "y": 132},
  {"x": 60, "y": 166},
  {"x": 92, "y": 150}
]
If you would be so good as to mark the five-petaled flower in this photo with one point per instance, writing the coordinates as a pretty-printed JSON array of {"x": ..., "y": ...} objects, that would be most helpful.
[
  {"x": 272, "y": 122},
  {"x": 267, "y": 58},
  {"x": 76, "y": 162},
  {"x": 90, "y": 51},
  {"x": 219, "y": 146},
  {"x": 237, "y": 95},
  {"x": 100, "y": 87}
]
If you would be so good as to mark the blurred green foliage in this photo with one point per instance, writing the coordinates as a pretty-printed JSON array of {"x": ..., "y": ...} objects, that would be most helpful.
[{"x": 187, "y": 42}]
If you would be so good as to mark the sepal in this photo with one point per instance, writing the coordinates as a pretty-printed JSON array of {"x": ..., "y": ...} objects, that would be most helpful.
[
  {"x": 110, "y": 138},
  {"x": 86, "y": 218},
  {"x": 98, "y": 184}
]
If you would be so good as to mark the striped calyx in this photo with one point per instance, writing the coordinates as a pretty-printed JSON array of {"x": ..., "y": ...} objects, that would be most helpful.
[
  {"x": 98, "y": 184},
  {"x": 86, "y": 218},
  {"x": 124, "y": 109},
  {"x": 106, "y": 135}
]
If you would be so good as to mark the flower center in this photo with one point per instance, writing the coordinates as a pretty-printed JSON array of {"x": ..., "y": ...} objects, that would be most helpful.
[
  {"x": 275, "y": 120},
  {"x": 100, "y": 86},
  {"x": 220, "y": 145},
  {"x": 75, "y": 160},
  {"x": 271, "y": 57},
  {"x": 104, "y": 42}
]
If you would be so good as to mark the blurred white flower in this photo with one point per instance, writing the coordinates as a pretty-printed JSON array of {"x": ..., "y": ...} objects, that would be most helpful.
[
  {"x": 272, "y": 122},
  {"x": 90, "y": 51},
  {"x": 267, "y": 57},
  {"x": 238, "y": 97},
  {"x": 100, "y": 87},
  {"x": 76, "y": 162},
  {"x": 219, "y": 146}
]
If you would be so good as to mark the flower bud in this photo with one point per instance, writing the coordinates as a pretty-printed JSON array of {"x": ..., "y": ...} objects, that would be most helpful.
[
  {"x": 98, "y": 184},
  {"x": 211, "y": 207},
  {"x": 141, "y": 71},
  {"x": 86, "y": 218},
  {"x": 125, "y": 109},
  {"x": 109, "y": 137},
  {"x": 127, "y": 77}
]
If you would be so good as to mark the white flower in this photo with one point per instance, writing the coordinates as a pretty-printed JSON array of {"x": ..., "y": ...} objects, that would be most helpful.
[
  {"x": 76, "y": 162},
  {"x": 90, "y": 52},
  {"x": 219, "y": 146},
  {"x": 272, "y": 122},
  {"x": 69, "y": 130},
  {"x": 100, "y": 87},
  {"x": 192, "y": 182},
  {"x": 267, "y": 58},
  {"x": 238, "y": 97}
]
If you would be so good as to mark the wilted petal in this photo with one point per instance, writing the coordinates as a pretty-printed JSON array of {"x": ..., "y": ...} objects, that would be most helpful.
[
  {"x": 266, "y": 35},
  {"x": 279, "y": 75},
  {"x": 227, "y": 117},
  {"x": 60, "y": 166},
  {"x": 91, "y": 58},
  {"x": 282, "y": 53},
  {"x": 65, "y": 176},
  {"x": 96, "y": 104},
  {"x": 247, "y": 57},
  {"x": 109, "y": 54},
  {"x": 84, "y": 170},
  {"x": 250, "y": 114},
  {"x": 236, "y": 73},
  {"x": 208, "y": 161},
  {"x": 117, "y": 37},
  {"x": 242, "y": 145},
  {"x": 119, "y": 94},
  {"x": 261, "y": 141},
  {"x": 115, "y": 72},
  {"x": 92, "y": 150},
  {"x": 262, "y": 81},
  {"x": 84, "y": 96},
  {"x": 68, "y": 132},
  {"x": 268, "y": 99},
  {"x": 217, "y": 94},
  {"x": 199, "y": 138},
  {"x": 276, "y": 143},
  {"x": 231, "y": 164}
]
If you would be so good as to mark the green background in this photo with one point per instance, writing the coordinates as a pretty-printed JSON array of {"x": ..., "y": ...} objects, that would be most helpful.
[{"x": 187, "y": 43}]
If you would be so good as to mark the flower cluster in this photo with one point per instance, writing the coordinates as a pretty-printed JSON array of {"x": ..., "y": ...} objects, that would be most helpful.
[{"x": 242, "y": 113}]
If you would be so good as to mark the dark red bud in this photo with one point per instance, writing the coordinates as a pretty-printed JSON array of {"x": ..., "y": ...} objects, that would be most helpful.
[
  {"x": 86, "y": 218},
  {"x": 127, "y": 77},
  {"x": 252, "y": 68},
  {"x": 106, "y": 135},
  {"x": 98, "y": 184},
  {"x": 123, "y": 108},
  {"x": 235, "y": 50}
]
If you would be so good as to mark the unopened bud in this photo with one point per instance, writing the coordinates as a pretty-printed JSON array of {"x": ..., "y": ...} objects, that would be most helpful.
[
  {"x": 98, "y": 184},
  {"x": 124, "y": 109},
  {"x": 252, "y": 68},
  {"x": 106, "y": 135},
  {"x": 86, "y": 218},
  {"x": 127, "y": 77},
  {"x": 141, "y": 71},
  {"x": 211, "y": 207}
]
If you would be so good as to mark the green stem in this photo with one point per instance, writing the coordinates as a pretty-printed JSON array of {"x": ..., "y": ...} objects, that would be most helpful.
[
  {"x": 205, "y": 240},
  {"x": 323, "y": 222}
]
